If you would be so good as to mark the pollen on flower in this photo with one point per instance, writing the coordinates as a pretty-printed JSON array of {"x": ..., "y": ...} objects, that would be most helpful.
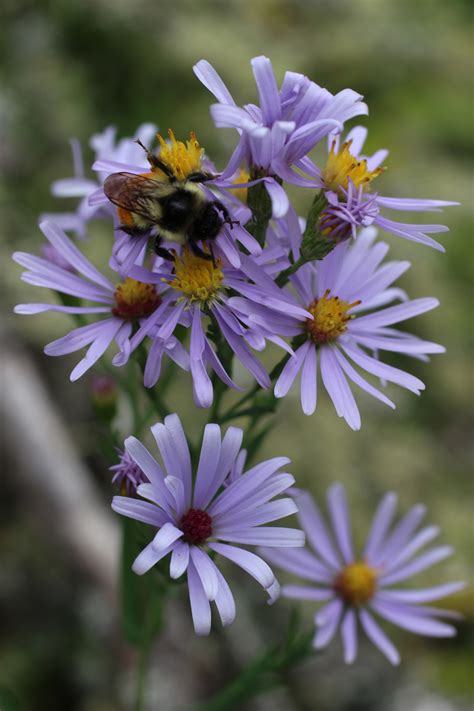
[
  {"x": 182, "y": 159},
  {"x": 342, "y": 165},
  {"x": 198, "y": 279},
  {"x": 329, "y": 318},
  {"x": 134, "y": 299},
  {"x": 356, "y": 583},
  {"x": 196, "y": 526},
  {"x": 241, "y": 193}
]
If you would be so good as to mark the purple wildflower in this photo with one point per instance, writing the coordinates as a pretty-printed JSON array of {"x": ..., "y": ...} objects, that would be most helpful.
[
  {"x": 345, "y": 178},
  {"x": 280, "y": 132},
  {"x": 127, "y": 474},
  {"x": 354, "y": 588},
  {"x": 106, "y": 147},
  {"x": 123, "y": 304},
  {"x": 195, "y": 519},
  {"x": 198, "y": 297},
  {"x": 347, "y": 294}
]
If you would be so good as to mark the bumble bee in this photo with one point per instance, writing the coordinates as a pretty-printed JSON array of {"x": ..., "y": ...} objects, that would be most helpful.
[{"x": 171, "y": 209}]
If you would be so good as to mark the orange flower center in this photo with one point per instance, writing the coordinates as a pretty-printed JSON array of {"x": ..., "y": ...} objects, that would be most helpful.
[
  {"x": 329, "y": 318},
  {"x": 356, "y": 583}
]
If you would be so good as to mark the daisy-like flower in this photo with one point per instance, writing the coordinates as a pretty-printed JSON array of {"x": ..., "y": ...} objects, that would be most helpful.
[
  {"x": 124, "y": 305},
  {"x": 198, "y": 296},
  {"x": 127, "y": 474},
  {"x": 346, "y": 179},
  {"x": 196, "y": 520},
  {"x": 347, "y": 294},
  {"x": 353, "y": 587},
  {"x": 279, "y": 133},
  {"x": 106, "y": 147}
]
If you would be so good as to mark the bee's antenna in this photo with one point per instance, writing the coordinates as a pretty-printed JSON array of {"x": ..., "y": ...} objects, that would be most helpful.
[
  {"x": 156, "y": 162},
  {"x": 137, "y": 140}
]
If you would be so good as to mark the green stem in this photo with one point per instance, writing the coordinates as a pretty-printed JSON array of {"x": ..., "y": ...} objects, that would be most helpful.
[
  {"x": 226, "y": 356},
  {"x": 153, "y": 394},
  {"x": 142, "y": 675},
  {"x": 283, "y": 277},
  {"x": 265, "y": 672},
  {"x": 314, "y": 245},
  {"x": 260, "y": 204}
]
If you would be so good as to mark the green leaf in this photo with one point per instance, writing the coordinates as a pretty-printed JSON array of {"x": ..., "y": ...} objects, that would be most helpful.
[
  {"x": 8, "y": 701},
  {"x": 143, "y": 597}
]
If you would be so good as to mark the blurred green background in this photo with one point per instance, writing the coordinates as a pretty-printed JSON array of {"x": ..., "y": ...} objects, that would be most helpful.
[{"x": 71, "y": 68}]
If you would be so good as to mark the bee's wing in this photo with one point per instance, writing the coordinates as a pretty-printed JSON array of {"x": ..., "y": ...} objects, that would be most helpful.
[{"x": 135, "y": 193}]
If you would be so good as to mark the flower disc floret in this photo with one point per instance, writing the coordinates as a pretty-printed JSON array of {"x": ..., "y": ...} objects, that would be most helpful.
[
  {"x": 182, "y": 158},
  {"x": 134, "y": 299},
  {"x": 329, "y": 318},
  {"x": 196, "y": 526},
  {"x": 356, "y": 583},
  {"x": 198, "y": 279},
  {"x": 342, "y": 165}
]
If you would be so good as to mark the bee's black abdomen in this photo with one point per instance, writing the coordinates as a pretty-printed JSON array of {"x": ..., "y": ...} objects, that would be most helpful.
[
  {"x": 207, "y": 225},
  {"x": 177, "y": 209}
]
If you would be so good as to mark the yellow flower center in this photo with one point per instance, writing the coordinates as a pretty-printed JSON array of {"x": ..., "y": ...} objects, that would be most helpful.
[
  {"x": 182, "y": 159},
  {"x": 134, "y": 299},
  {"x": 343, "y": 165},
  {"x": 241, "y": 193},
  {"x": 329, "y": 318},
  {"x": 356, "y": 583},
  {"x": 198, "y": 279}
]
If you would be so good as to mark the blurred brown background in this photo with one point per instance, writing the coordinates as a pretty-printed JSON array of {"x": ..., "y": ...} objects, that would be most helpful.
[{"x": 71, "y": 68}]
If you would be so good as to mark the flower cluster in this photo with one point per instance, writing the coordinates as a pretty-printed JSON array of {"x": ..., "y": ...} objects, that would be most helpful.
[
  {"x": 206, "y": 267},
  {"x": 333, "y": 308}
]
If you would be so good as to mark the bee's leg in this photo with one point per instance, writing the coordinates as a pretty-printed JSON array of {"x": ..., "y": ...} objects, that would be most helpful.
[
  {"x": 227, "y": 218},
  {"x": 200, "y": 177},
  {"x": 161, "y": 251},
  {"x": 211, "y": 250},
  {"x": 199, "y": 252}
]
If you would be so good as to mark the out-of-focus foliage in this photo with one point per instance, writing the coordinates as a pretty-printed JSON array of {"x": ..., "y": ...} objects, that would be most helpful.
[{"x": 71, "y": 68}]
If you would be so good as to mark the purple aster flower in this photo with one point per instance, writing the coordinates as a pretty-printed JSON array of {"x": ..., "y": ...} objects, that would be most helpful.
[
  {"x": 124, "y": 304},
  {"x": 280, "y": 132},
  {"x": 195, "y": 519},
  {"x": 198, "y": 297},
  {"x": 348, "y": 293},
  {"x": 127, "y": 474},
  {"x": 345, "y": 179},
  {"x": 106, "y": 147},
  {"x": 354, "y": 588}
]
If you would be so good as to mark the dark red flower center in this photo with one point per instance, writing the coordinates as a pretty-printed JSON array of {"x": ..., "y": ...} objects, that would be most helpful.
[
  {"x": 134, "y": 299},
  {"x": 196, "y": 526}
]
